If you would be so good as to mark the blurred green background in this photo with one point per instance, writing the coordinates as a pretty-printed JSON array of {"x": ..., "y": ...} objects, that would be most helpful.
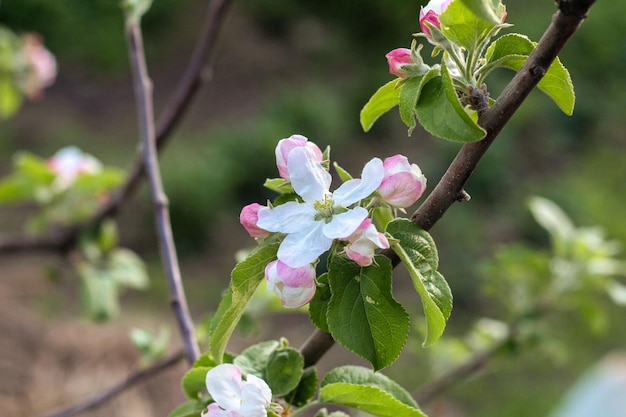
[{"x": 307, "y": 67}]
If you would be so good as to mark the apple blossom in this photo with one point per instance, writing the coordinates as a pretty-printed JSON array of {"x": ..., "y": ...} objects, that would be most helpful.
[
  {"x": 41, "y": 65},
  {"x": 285, "y": 146},
  {"x": 249, "y": 217},
  {"x": 430, "y": 13},
  {"x": 363, "y": 243},
  {"x": 235, "y": 397},
  {"x": 69, "y": 163},
  {"x": 294, "y": 286},
  {"x": 403, "y": 183},
  {"x": 313, "y": 224},
  {"x": 398, "y": 58}
]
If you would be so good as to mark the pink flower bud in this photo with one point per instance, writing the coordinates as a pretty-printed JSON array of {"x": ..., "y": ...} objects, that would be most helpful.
[
  {"x": 431, "y": 13},
  {"x": 403, "y": 183},
  {"x": 294, "y": 286},
  {"x": 249, "y": 218},
  {"x": 363, "y": 243},
  {"x": 42, "y": 66},
  {"x": 287, "y": 145},
  {"x": 396, "y": 59}
]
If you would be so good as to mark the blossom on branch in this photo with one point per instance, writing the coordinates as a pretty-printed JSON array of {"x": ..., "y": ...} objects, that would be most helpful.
[
  {"x": 234, "y": 396},
  {"x": 363, "y": 243},
  {"x": 430, "y": 13},
  {"x": 313, "y": 224},
  {"x": 403, "y": 183},
  {"x": 294, "y": 286},
  {"x": 69, "y": 163},
  {"x": 249, "y": 217}
]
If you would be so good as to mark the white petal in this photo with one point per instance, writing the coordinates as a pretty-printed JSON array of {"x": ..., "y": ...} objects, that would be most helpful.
[
  {"x": 302, "y": 248},
  {"x": 290, "y": 217},
  {"x": 308, "y": 178},
  {"x": 262, "y": 390},
  {"x": 296, "y": 297},
  {"x": 344, "y": 224},
  {"x": 354, "y": 190},
  {"x": 224, "y": 383}
]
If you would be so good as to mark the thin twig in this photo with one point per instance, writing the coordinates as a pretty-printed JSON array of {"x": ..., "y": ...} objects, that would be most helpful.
[
  {"x": 188, "y": 86},
  {"x": 143, "y": 96},
  {"x": 450, "y": 188},
  {"x": 130, "y": 381}
]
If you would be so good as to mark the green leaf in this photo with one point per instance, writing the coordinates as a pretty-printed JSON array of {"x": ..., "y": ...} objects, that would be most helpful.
[
  {"x": 363, "y": 376},
  {"x": 10, "y": 97},
  {"x": 383, "y": 100},
  {"x": 284, "y": 370},
  {"x": 245, "y": 278},
  {"x": 135, "y": 9},
  {"x": 126, "y": 268},
  {"x": 194, "y": 381},
  {"x": 418, "y": 252},
  {"x": 254, "y": 359},
  {"x": 205, "y": 360},
  {"x": 306, "y": 389},
  {"x": 318, "y": 307},
  {"x": 362, "y": 314},
  {"x": 511, "y": 51},
  {"x": 488, "y": 10},
  {"x": 440, "y": 112},
  {"x": 343, "y": 174},
  {"x": 278, "y": 185},
  {"x": 552, "y": 218},
  {"x": 410, "y": 90},
  {"x": 461, "y": 25},
  {"x": 189, "y": 409},
  {"x": 34, "y": 168},
  {"x": 370, "y": 399},
  {"x": 100, "y": 292}
]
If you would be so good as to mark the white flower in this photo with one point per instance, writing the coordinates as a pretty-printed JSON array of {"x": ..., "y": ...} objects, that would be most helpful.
[
  {"x": 69, "y": 163},
  {"x": 235, "y": 397},
  {"x": 311, "y": 226}
]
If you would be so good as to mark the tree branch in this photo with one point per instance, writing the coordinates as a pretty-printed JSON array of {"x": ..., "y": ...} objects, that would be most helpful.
[
  {"x": 564, "y": 24},
  {"x": 143, "y": 96},
  {"x": 188, "y": 86},
  {"x": 130, "y": 381}
]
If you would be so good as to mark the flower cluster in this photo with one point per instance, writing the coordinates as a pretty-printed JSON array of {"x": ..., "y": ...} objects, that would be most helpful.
[
  {"x": 69, "y": 163},
  {"x": 319, "y": 218}
]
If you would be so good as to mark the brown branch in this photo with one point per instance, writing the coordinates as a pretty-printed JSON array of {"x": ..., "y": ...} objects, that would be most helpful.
[
  {"x": 449, "y": 190},
  {"x": 130, "y": 381},
  {"x": 186, "y": 90},
  {"x": 143, "y": 97}
]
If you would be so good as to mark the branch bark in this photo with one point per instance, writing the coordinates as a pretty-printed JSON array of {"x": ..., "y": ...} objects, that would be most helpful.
[
  {"x": 450, "y": 188},
  {"x": 143, "y": 96},
  {"x": 188, "y": 86}
]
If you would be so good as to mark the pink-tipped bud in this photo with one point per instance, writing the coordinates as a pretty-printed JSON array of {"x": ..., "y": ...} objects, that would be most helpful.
[
  {"x": 294, "y": 286},
  {"x": 249, "y": 218},
  {"x": 287, "y": 145},
  {"x": 430, "y": 13},
  {"x": 398, "y": 58},
  {"x": 363, "y": 243},
  {"x": 403, "y": 182}
]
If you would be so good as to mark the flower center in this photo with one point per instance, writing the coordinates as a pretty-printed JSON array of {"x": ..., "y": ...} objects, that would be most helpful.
[{"x": 326, "y": 209}]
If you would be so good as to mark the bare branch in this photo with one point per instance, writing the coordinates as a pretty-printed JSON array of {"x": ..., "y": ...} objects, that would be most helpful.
[
  {"x": 143, "y": 97},
  {"x": 132, "y": 380},
  {"x": 450, "y": 188}
]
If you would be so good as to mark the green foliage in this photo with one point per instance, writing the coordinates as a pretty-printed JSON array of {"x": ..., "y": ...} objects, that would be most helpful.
[
  {"x": 194, "y": 381},
  {"x": 440, "y": 112},
  {"x": 318, "y": 307},
  {"x": 151, "y": 347},
  {"x": 487, "y": 10},
  {"x": 306, "y": 389},
  {"x": 461, "y": 25},
  {"x": 284, "y": 370},
  {"x": 188, "y": 409},
  {"x": 245, "y": 278},
  {"x": 362, "y": 314},
  {"x": 512, "y": 50},
  {"x": 383, "y": 100}
]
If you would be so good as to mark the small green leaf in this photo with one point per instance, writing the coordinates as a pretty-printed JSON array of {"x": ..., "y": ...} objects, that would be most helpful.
[
  {"x": 126, "y": 268},
  {"x": 343, "y": 174},
  {"x": 488, "y": 10},
  {"x": 189, "y": 409},
  {"x": 410, "y": 90},
  {"x": 10, "y": 96},
  {"x": 194, "y": 382},
  {"x": 363, "y": 376},
  {"x": 318, "y": 307},
  {"x": 440, "y": 112},
  {"x": 100, "y": 292},
  {"x": 461, "y": 25},
  {"x": 284, "y": 370},
  {"x": 278, "y": 185},
  {"x": 254, "y": 359},
  {"x": 511, "y": 51},
  {"x": 370, "y": 399},
  {"x": 362, "y": 314},
  {"x": 306, "y": 389},
  {"x": 418, "y": 252},
  {"x": 245, "y": 278},
  {"x": 383, "y": 100},
  {"x": 205, "y": 360}
]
